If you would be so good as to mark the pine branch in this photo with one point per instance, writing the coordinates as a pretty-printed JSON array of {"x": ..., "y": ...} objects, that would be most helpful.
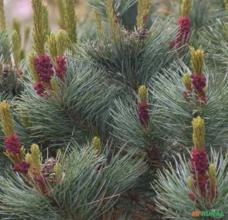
[
  {"x": 199, "y": 23},
  {"x": 215, "y": 39},
  {"x": 126, "y": 61},
  {"x": 91, "y": 186},
  {"x": 79, "y": 109},
  {"x": 20, "y": 202},
  {"x": 127, "y": 127},
  {"x": 172, "y": 114},
  {"x": 99, "y": 182},
  {"x": 172, "y": 190}
]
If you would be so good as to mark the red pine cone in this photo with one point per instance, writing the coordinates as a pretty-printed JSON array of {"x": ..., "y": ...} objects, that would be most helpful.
[
  {"x": 199, "y": 162},
  {"x": 182, "y": 37},
  {"x": 203, "y": 183},
  {"x": 202, "y": 97},
  {"x": 48, "y": 166},
  {"x": 143, "y": 113},
  {"x": 199, "y": 168},
  {"x": 47, "y": 170},
  {"x": 21, "y": 167},
  {"x": 39, "y": 87},
  {"x": 184, "y": 23},
  {"x": 192, "y": 196},
  {"x": 60, "y": 67},
  {"x": 199, "y": 82},
  {"x": 187, "y": 94},
  {"x": 213, "y": 191},
  {"x": 12, "y": 144},
  {"x": 184, "y": 29},
  {"x": 172, "y": 44},
  {"x": 43, "y": 67},
  {"x": 43, "y": 186}
]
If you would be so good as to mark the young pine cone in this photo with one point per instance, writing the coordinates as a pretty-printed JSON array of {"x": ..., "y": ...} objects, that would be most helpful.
[{"x": 48, "y": 172}]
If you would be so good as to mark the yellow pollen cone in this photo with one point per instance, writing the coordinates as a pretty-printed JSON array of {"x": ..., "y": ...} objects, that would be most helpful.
[
  {"x": 142, "y": 92},
  {"x": 96, "y": 143},
  {"x": 198, "y": 132}
]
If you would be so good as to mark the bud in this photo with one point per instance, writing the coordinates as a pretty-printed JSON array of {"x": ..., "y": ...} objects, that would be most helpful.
[
  {"x": 198, "y": 132},
  {"x": 143, "y": 11},
  {"x": 112, "y": 20},
  {"x": 186, "y": 79},
  {"x": 59, "y": 154},
  {"x": 45, "y": 21},
  {"x": 26, "y": 35},
  {"x": 185, "y": 7},
  {"x": 52, "y": 45},
  {"x": 70, "y": 20},
  {"x": 35, "y": 150},
  {"x": 6, "y": 118},
  {"x": 16, "y": 26},
  {"x": 212, "y": 176},
  {"x": 16, "y": 48},
  {"x": 36, "y": 155},
  {"x": 96, "y": 144},
  {"x": 22, "y": 151},
  {"x": 57, "y": 169},
  {"x": 142, "y": 92},
  {"x": 189, "y": 182},
  {"x": 197, "y": 60},
  {"x": 28, "y": 158},
  {"x": 54, "y": 84},
  {"x": 22, "y": 55},
  {"x": 34, "y": 74},
  {"x": 39, "y": 27},
  {"x": 63, "y": 42},
  {"x": 61, "y": 9},
  {"x": 212, "y": 172}
]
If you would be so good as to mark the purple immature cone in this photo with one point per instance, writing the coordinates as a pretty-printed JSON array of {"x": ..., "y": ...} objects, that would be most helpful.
[
  {"x": 143, "y": 113},
  {"x": 12, "y": 144},
  {"x": 21, "y": 167},
  {"x": 199, "y": 168},
  {"x": 44, "y": 68},
  {"x": 199, "y": 81},
  {"x": 199, "y": 162},
  {"x": 60, "y": 67},
  {"x": 39, "y": 87},
  {"x": 184, "y": 24}
]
